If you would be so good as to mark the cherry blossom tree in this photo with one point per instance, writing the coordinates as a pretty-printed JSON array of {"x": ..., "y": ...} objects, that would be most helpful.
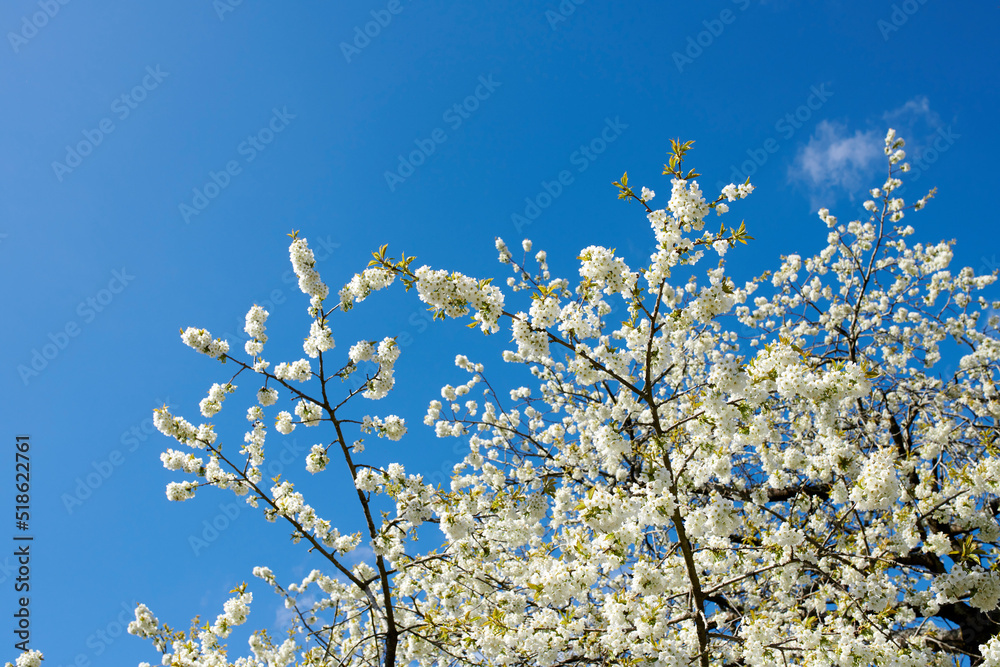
[{"x": 777, "y": 472}]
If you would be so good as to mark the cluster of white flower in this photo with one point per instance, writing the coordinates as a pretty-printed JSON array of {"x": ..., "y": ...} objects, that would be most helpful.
[
  {"x": 390, "y": 426},
  {"x": 788, "y": 271},
  {"x": 201, "y": 340},
  {"x": 30, "y": 658},
  {"x": 670, "y": 244},
  {"x": 254, "y": 328},
  {"x": 532, "y": 344},
  {"x": 175, "y": 460},
  {"x": 317, "y": 459},
  {"x": 288, "y": 501},
  {"x": 320, "y": 339},
  {"x": 235, "y": 613},
  {"x": 541, "y": 258},
  {"x": 304, "y": 265},
  {"x": 829, "y": 220},
  {"x": 453, "y": 294},
  {"x": 267, "y": 396},
  {"x": 544, "y": 312},
  {"x": 582, "y": 320},
  {"x": 504, "y": 256},
  {"x": 687, "y": 204},
  {"x": 145, "y": 624},
  {"x": 182, "y": 430},
  {"x": 279, "y": 656},
  {"x": 463, "y": 362},
  {"x": 180, "y": 491},
  {"x": 211, "y": 405},
  {"x": 283, "y": 423},
  {"x": 308, "y": 412},
  {"x": 174, "y": 427},
  {"x": 367, "y": 480},
  {"x": 733, "y": 192},
  {"x": 986, "y": 587},
  {"x": 361, "y": 351},
  {"x": 298, "y": 370},
  {"x": 715, "y": 520},
  {"x": 607, "y": 273},
  {"x": 990, "y": 652},
  {"x": 253, "y": 440},
  {"x": 712, "y": 301},
  {"x": 385, "y": 356},
  {"x": 180, "y": 650},
  {"x": 893, "y": 147},
  {"x": 363, "y": 284}
]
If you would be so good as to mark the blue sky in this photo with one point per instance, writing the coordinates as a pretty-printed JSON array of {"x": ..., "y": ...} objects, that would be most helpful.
[{"x": 154, "y": 156}]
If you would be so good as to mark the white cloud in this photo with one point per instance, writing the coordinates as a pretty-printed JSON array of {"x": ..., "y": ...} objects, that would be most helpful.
[
  {"x": 913, "y": 112},
  {"x": 834, "y": 162},
  {"x": 921, "y": 127}
]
